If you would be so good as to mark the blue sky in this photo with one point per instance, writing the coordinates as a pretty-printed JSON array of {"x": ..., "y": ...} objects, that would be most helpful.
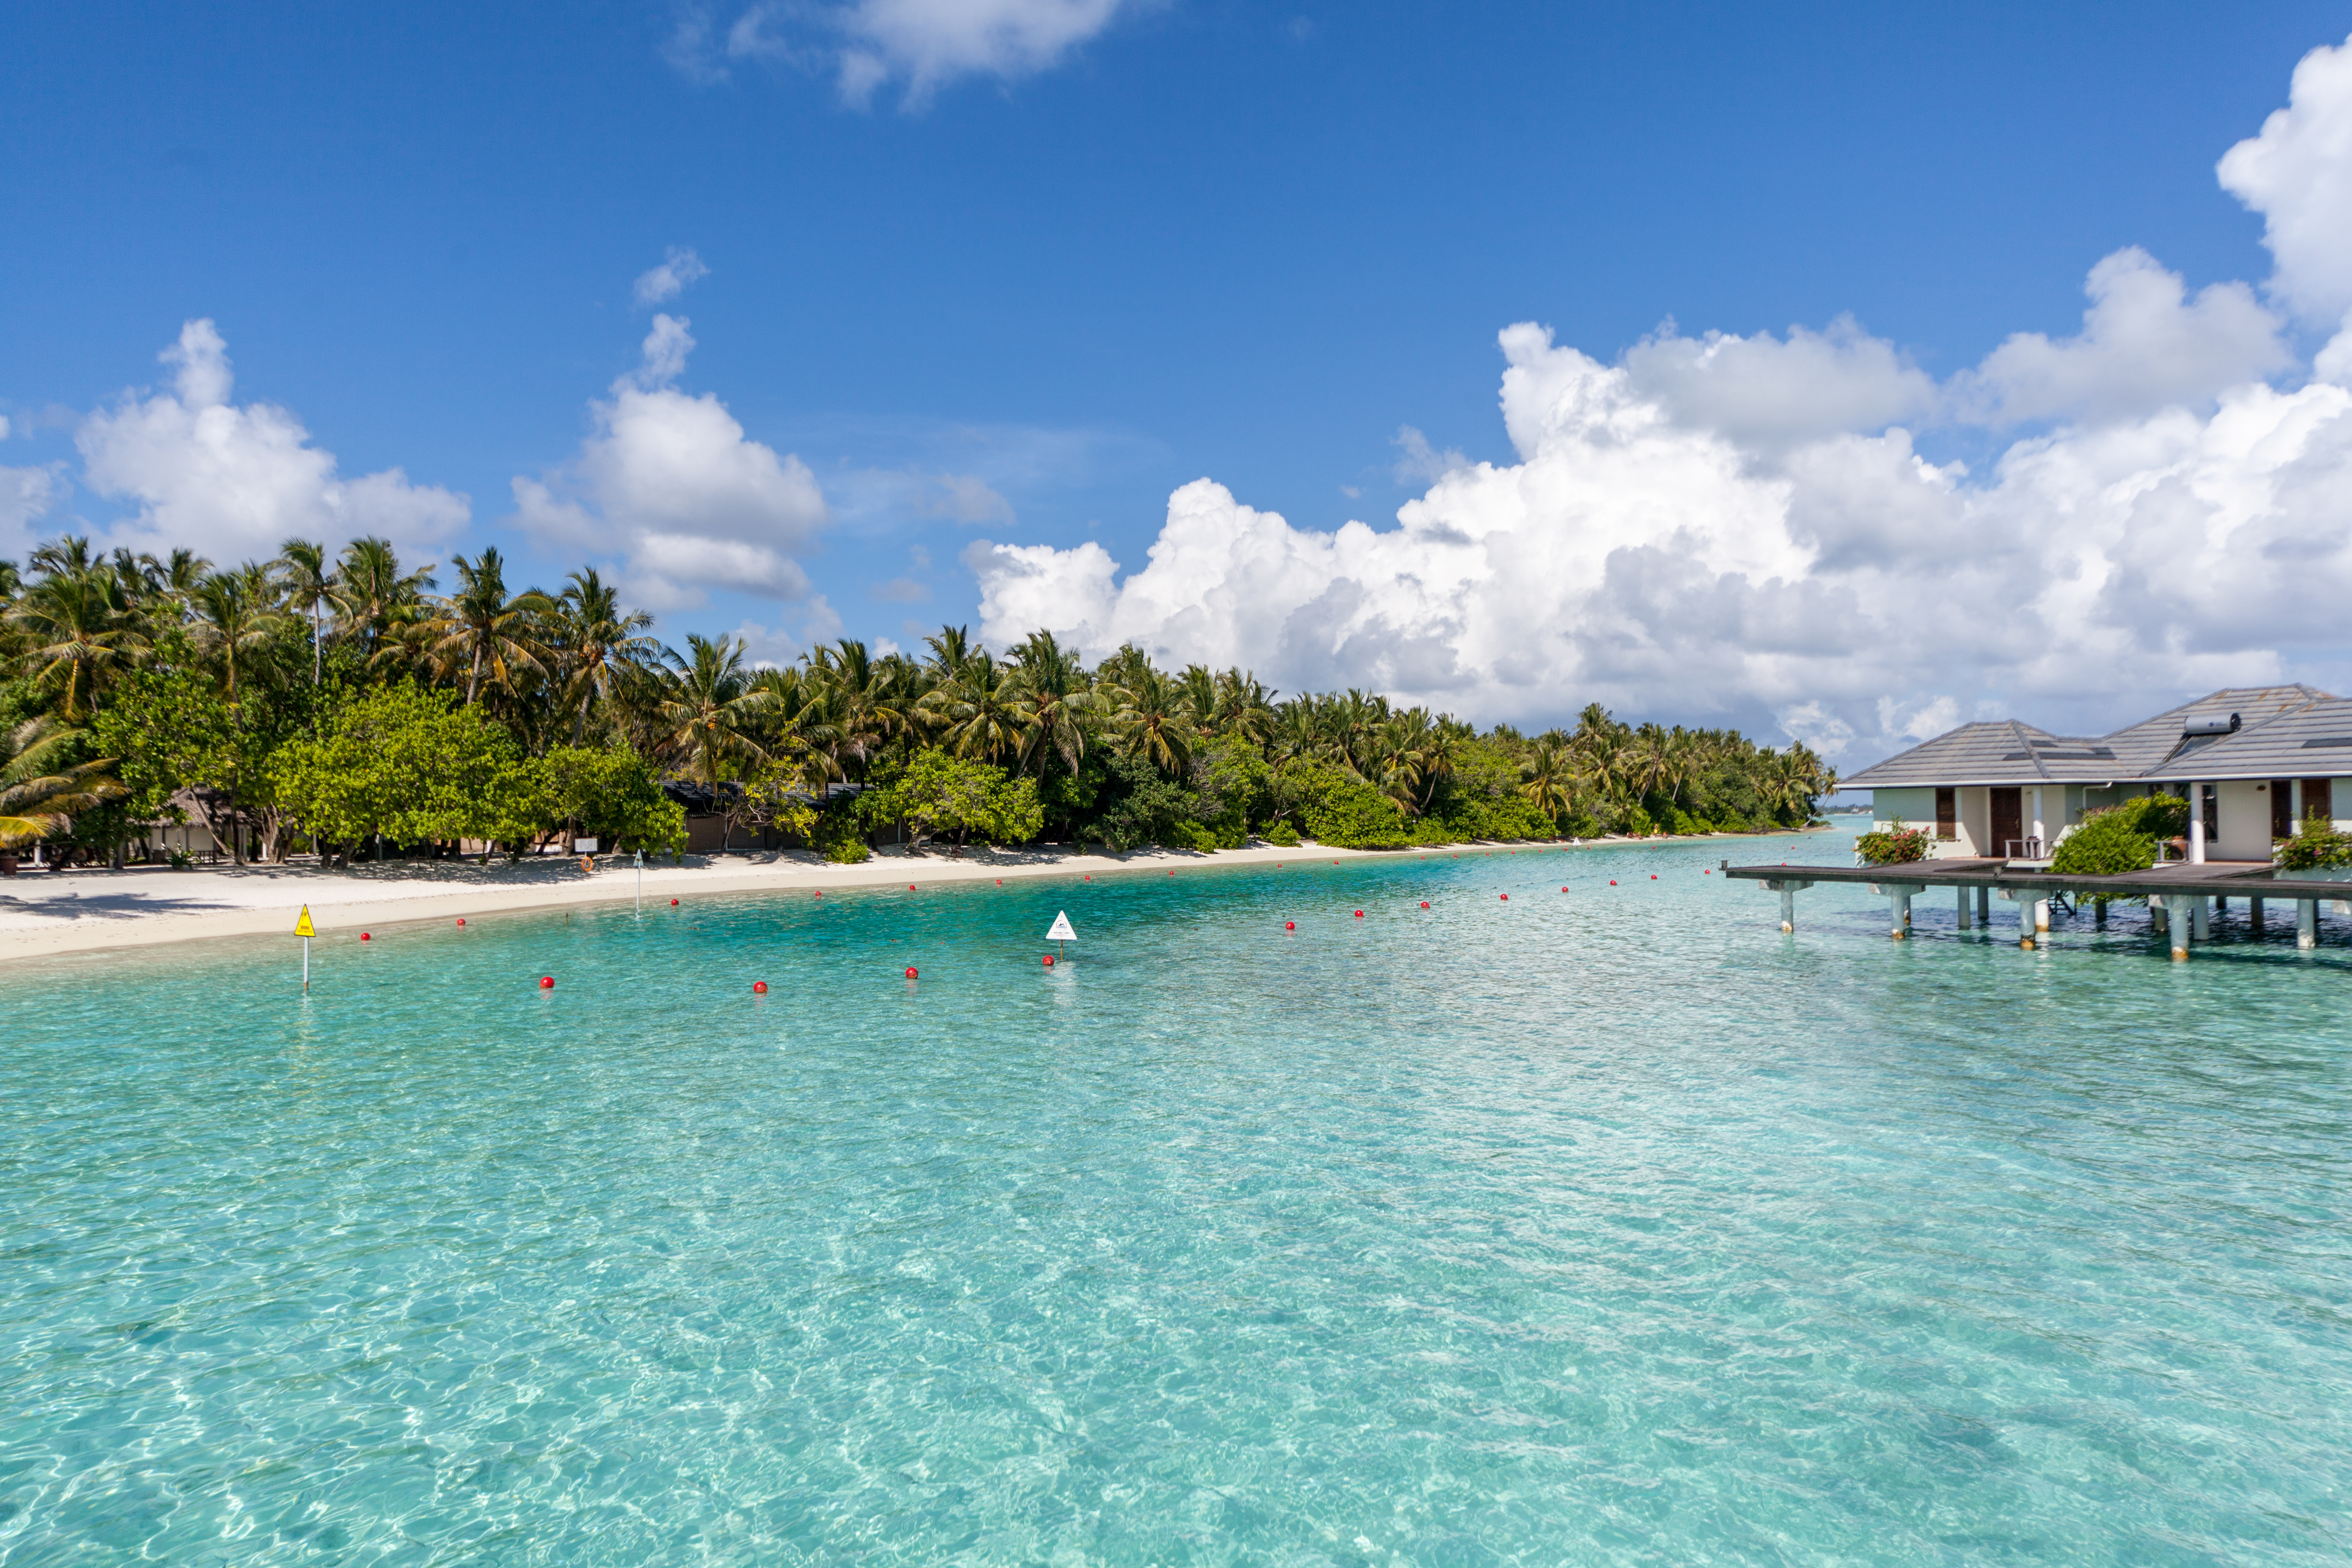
[{"x": 1028, "y": 299}]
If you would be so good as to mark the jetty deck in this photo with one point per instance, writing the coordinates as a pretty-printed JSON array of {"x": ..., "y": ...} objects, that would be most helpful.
[{"x": 2180, "y": 893}]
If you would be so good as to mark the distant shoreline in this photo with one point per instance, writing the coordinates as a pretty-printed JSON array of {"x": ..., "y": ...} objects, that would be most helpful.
[{"x": 48, "y": 914}]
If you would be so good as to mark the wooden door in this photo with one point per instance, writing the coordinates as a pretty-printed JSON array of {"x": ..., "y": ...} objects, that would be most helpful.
[
  {"x": 2281, "y": 808},
  {"x": 2007, "y": 819},
  {"x": 1947, "y": 812},
  {"x": 2317, "y": 799}
]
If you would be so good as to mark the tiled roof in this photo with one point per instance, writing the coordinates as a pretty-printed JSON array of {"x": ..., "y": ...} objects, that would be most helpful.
[
  {"x": 2008, "y": 753},
  {"x": 2314, "y": 741}
]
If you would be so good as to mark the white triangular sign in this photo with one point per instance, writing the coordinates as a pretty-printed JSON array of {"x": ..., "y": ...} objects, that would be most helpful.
[{"x": 1062, "y": 932}]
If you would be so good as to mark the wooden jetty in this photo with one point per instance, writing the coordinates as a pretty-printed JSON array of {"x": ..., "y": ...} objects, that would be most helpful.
[{"x": 2181, "y": 894}]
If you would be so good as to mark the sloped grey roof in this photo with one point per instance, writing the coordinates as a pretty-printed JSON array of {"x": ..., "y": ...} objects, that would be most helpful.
[
  {"x": 2002, "y": 752},
  {"x": 2313, "y": 741},
  {"x": 2144, "y": 748},
  {"x": 2008, "y": 753}
]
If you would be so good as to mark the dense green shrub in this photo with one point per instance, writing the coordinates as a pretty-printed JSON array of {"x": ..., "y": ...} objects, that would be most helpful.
[
  {"x": 1341, "y": 809},
  {"x": 1282, "y": 835},
  {"x": 1895, "y": 845},
  {"x": 2316, "y": 846},
  {"x": 2106, "y": 844}
]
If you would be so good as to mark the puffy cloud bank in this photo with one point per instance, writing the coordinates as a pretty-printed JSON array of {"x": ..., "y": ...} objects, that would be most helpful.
[
  {"x": 230, "y": 481},
  {"x": 1739, "y": 529},
  {"x": 668, "y": 483}
]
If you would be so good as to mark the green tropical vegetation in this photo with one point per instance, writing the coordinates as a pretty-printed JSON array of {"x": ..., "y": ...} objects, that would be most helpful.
[
  {"x": 1894, "y": 845},
  {"x": 338, "y": 703}
]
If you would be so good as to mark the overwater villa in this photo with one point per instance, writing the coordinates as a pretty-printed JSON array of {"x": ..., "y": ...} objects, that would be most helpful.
[
  {"x": 2260, "y": 759},
  {"x": 2256, "y": 763}
]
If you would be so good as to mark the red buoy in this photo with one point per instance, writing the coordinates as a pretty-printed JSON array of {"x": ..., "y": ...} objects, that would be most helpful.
[
  {"x": 1359, "y": 914},
  {"x": 1172, "y": 873},
  {"x": 1290, "y": 925},
  {"x": 999, "y": 881},
  {"x": 461, "y": 922},
  {"x": 364, "y": 936},
  {"x": 910, "y": 886},
  {"x": 1090, "y": 879},
  {"x": 910, "y": 972},
  {"x": 1425, "y": 903},
  {"x": 673, "y": 903},
  {"x": 1653, "y": 875},
  {"x": 1506, "y": 898},
  {"x": 547, "y": 983},
  {"x": 1049, "y": 961},
  {"x": 759, "y": 988},
  {"x": 1563, "y": 889},
  {"x": 1613, "y": 881}
]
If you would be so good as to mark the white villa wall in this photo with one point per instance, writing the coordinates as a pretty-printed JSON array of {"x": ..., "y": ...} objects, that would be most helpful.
[
  {"x": 2243, "y": 809},
  {"x": 1976, "y": 821}
]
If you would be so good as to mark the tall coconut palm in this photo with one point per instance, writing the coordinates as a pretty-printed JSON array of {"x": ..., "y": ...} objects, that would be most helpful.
[
  {"x": 77, "y": 633},
  {"x": 600, "y": 646},
  {"x": 309, "y": 584},
  {"x": 1548, "y": 778},
  {"x": 1049, "y": 683},
  {"x": 1155, "y": 722},
  {"x": 374, "y": 598},
  {"x": 39, "y": 789},
  {"x": 869, "y": 698},
  {"x": 236, "y": 614},
  {"x": 711, "y": 715},
  {"x": 980, "y": 712},
  {"x": 485, "y": 632}
]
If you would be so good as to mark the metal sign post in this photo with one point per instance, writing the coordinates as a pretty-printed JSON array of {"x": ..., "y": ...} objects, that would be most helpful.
[
  {"x": 303, "y": 929},
  {"x": 1061, "y": 934}
]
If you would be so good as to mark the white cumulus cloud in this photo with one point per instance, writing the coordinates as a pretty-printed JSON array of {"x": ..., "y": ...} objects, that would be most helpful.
[
  {"x": 657, "y": 285},
  {"x": 669, "y": 482},
  {"x": 1636, "y": 559},
  {"x": 1744, "y": 528},
  {"x": 233, "y": 481},
  {"x": 864, "y": 44}
]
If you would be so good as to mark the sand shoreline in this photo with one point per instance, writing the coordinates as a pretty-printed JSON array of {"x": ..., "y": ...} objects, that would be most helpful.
[{"x": 49, "y": 913}]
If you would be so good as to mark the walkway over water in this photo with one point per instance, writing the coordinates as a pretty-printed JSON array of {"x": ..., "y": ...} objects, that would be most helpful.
[{"x": 2181, "y": 894}]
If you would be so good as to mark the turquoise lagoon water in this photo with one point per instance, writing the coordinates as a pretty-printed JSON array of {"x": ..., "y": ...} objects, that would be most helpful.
[{"x": 1596, "y": 1227}]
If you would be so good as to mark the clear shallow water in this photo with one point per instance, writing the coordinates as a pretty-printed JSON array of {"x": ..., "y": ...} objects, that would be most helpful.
[{"x": 1611, "y": 1226}]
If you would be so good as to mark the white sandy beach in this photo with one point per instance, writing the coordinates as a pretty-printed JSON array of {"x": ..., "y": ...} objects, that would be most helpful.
[{"x": 46, "y": 913}]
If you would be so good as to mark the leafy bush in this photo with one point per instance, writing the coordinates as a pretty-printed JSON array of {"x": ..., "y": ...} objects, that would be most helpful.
[
  {"x": 1282, "y": 835},
  {"x": 1341, "y": 809},
  {"x": 936, "y": 792},
  {"x": 2316, "y": 846},
  {"x": 847, "y": 852},
  {"x": 1194, "y": 835},
  {"x": 2108, "y": 844},
  {"x": 1894, "y": 846},
  {"x": 2158, "y": 816}
]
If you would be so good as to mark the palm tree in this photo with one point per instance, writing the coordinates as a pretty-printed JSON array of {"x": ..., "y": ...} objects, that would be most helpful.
[
  {"x": 980, "y": 712},
  {"x": 1155, "y": 722},
  {"x": 485, "y": 632},
  {"x": 710, "y": 713},
  {"x": 38, "y": 788},
  {"x": 1049, "y": 685},
  {"x": 78, "y": 631},
  {"x": 1548, "y": 777},
  {"x": 372, "y": 596},
  {"x": 236, "y": 612},
  {"x": 600, "y": 645},
  {"x": 309, "y": 584},
  {"x": 868, "y": 698}
]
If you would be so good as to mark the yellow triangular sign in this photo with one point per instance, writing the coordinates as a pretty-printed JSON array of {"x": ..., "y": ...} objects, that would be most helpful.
[{"x": 302, "y": 927}]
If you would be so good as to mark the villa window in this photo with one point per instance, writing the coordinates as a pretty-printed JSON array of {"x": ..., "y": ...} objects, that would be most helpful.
[{"x": 1947, "y": 812}]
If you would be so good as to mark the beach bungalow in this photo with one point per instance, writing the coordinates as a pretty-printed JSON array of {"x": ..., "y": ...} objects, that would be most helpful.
[{"x": 2259, "y": 760}]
